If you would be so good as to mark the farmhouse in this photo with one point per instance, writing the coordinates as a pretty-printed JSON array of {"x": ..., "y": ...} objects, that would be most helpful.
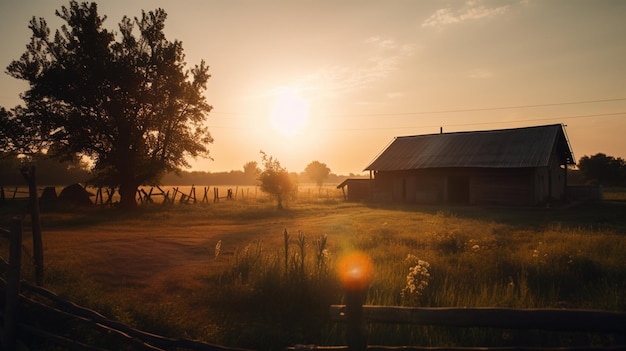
[{"x": 521, "y": 166}]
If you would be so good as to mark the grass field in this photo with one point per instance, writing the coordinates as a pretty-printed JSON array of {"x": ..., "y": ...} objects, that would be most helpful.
[{"x": 240, "y": 273}]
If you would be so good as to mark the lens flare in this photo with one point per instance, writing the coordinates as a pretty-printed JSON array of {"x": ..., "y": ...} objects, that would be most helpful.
[{"x": 356, "y": 271}]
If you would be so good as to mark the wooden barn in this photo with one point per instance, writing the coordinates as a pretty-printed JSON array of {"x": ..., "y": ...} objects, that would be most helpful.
[{"x": 521, "y": 166}]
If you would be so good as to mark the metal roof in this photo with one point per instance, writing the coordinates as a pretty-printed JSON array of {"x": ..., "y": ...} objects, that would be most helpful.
[{"x": 505, "y": 148}]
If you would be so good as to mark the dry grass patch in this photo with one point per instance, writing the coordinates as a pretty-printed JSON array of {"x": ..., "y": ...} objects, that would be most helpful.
[{"x": 157, "y": 267}]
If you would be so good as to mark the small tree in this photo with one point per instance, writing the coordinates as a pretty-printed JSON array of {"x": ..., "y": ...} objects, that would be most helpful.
[
  {"x": 276, "y": 181},
  {"x": 603, "y": 169},
  {"x": 318, "y": 172},
  {"x": 251, "y": 171}
]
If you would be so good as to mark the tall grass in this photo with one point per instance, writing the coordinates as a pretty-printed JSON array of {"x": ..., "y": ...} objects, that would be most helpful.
[
  {"x": 470, "y": 263},
  {"x": 280, "y": 293}
]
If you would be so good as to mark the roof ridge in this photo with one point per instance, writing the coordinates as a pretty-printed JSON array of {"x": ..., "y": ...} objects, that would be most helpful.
[{"x": 482, "y": 131}]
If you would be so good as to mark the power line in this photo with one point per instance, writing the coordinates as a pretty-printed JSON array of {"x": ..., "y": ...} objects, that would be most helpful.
[
  {"x": 512, "y": 107},
  {"x": 561, "y": 118},
  {"x": 548, "y": 118},
  {"x": 495, "y": 108}
]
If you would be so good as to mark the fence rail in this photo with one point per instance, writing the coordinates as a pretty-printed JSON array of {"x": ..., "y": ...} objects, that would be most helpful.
[
  {"x": 505, "y": 318},
  {"x": 70, "y": 310},
  {"x": 568, "y": 320}
]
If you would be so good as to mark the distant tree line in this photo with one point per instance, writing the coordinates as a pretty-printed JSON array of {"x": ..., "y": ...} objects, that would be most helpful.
[
  {"x": 603, "y": 169},
  {"x": 237, "y": 177},
  {"x": 52, "y": 171},
  {"x": 597, "y": 169}
]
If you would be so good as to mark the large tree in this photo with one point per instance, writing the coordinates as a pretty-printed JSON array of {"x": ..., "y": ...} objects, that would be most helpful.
[{"x": 124, "y": 99}]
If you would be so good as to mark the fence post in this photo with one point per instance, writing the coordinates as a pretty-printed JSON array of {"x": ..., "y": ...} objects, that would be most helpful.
[
  {"x": 29, "y": 173},
  {"x": 13, "y": 284},
  {"x": 355, "y": 274},
  {"x": 356, "y": 330}
]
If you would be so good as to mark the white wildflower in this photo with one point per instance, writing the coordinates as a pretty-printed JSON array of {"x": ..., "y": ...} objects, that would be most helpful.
[
  {"x": 417, "y": 278},
  {"x": 325, "y": 255}
]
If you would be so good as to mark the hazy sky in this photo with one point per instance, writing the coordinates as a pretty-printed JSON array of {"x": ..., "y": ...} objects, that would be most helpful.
[{"x": 358, "y": 73}]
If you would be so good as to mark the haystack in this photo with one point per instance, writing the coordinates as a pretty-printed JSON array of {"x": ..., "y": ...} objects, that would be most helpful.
[{"x": 76, "y": 194}]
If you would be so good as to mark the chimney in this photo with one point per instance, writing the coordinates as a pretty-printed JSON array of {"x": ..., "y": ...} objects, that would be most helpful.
[{"x": 440, "y": 130}]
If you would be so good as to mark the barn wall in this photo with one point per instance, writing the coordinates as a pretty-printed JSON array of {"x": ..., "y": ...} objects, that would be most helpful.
[
  {"x": 457, "y": 186},
  {"x": 358, "y": 190},
  {"x": 502, "y": 187},
  {"x": 541, "y": 187},
  {"x": 559, "y": 178},
  {"x": 550, "y": 183},
  {"x": 423, "y": 186}
]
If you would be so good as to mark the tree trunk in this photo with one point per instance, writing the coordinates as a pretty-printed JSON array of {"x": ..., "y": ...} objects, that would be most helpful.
[
  {"x": 128, "y": 192},
  {"x": 279, "y": 200},
  {"x": 128, "y": 179}
]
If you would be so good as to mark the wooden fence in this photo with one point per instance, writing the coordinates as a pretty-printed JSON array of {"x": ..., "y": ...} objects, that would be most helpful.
[
  {"x": 12, "y": 194},
  {"x": 356, "y": 317},
  {"x": 489, "y": 317},
  {"x": 355, "y": 277},
  {"x": 177, "y": 194},
  {"x": 157, "y": 194},
  {"x": 13, "y": 270},
  {"x": 561, "y": 320}
]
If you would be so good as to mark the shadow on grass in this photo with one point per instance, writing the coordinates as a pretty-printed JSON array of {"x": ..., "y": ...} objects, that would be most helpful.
[
  {"x": 61, "y": 215},
  {"x": 605, "y": 215}
]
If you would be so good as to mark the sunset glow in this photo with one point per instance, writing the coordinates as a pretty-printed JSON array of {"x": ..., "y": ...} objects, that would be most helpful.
[
  {"x": 336, "y": 81},
  {"x": 290, "y": 112}
]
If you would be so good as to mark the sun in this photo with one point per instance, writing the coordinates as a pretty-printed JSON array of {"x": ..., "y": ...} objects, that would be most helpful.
[{"x": 290, "y": 112}]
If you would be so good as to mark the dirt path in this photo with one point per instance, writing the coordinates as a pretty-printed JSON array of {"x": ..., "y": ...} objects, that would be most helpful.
[
  {"x": 154, "y": 261},
  {"x": 123, "y": 257}
]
